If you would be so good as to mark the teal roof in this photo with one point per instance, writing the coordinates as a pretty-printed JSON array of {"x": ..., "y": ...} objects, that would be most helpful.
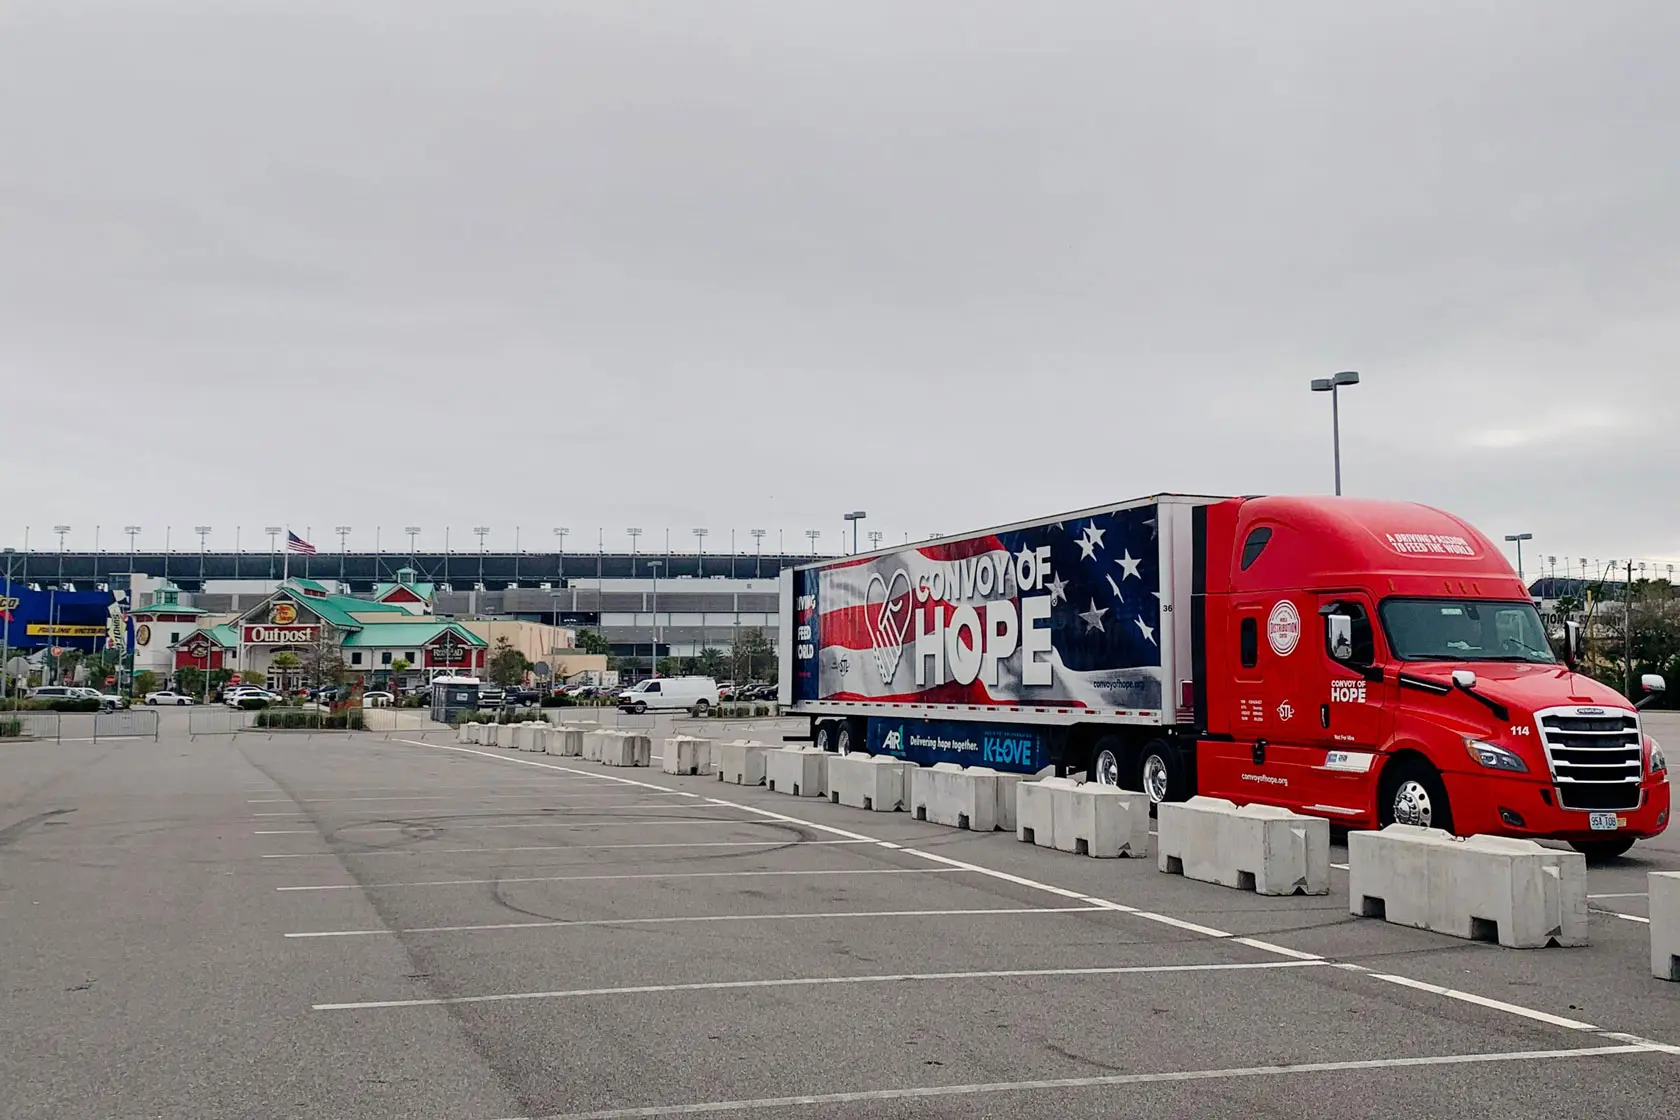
[
  {"x": 308, "y": 585},
  {"x": 337, "y": 609},
  {"x": 225, "y": 634},
  {"x": 168, "y": 608},
  {"x": 423, "y": 590},
  {"x": 408, "y": 634}
]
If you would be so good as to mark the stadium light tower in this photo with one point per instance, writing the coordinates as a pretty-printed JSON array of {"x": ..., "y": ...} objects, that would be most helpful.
[
  {"x": 1518, "y": 539},
  {"x": 758, "y": 549},
  {"x": 700, "y": 548},
  {"x": 635, "y": 534},
  {"x": 1333, "y": 385},
  {"x": 813, "y": 534},
  {"x": 854, "y": 517}
]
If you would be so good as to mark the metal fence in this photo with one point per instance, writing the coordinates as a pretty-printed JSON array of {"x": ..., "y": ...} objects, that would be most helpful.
[
  {"x": 217, "y": 719},
  {"x": 31, "y": 725},
  {"x": 134, "y": 723}
]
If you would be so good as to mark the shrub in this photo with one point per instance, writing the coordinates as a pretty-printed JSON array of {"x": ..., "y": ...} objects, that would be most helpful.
[
  {"x": 10, "y": 728},
  {"x": 297, "y": 719},
  {"x": 54, "y": 705}
]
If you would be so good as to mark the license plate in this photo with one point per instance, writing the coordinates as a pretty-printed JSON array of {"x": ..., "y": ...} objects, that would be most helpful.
[{"x": 1602, "y": 822}]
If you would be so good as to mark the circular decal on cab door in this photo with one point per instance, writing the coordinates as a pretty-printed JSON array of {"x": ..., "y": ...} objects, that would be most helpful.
[{"x": 1283, "y": 628}]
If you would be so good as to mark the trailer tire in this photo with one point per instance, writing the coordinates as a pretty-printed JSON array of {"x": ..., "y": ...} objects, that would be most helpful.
[
  {"x": 845, "y": 737},
  {"x": 822, "y": 737},
  {"x": 1107, "y": 762},
  {"x": 1162, "y": 772}
]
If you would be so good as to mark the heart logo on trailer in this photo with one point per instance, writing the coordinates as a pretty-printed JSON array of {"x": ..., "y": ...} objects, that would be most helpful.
[
  {"x": 1283, "y": 628},
  {"x": 886, "y": 605}
]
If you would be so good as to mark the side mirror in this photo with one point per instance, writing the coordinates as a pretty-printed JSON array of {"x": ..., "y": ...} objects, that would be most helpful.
[
  {"x": 1339, "y": 632},
  {"x": 1464, "y": 678},
  {"x": 1653, "y": 682},
  {"x": 1572, "y": 644}
]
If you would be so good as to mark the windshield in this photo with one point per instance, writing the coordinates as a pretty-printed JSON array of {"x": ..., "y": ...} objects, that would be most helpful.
[{"x": 1465, "y": 630}]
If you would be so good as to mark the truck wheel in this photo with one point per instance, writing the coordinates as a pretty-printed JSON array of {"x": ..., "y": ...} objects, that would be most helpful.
[
  {"x": 1161, "y": 772},
  {"x": 823, "y": 737},
  {"x": 843, "y": 737},
  {"x": 1104, "y": 767},
  {"x": 1413, "y": 793},
  {"x": 1601, "y": 851},
  {"x": 639, "y": 708}
]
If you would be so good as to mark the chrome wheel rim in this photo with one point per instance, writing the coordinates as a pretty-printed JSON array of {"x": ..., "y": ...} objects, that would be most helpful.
[
  {"x": 822, "y": 739},
  {"x": 1413, "y": 805},
  {"x": 1155, "y": 777},
  {"x": 843, "y": 741},
  {"x": 1105, "y": 769}
]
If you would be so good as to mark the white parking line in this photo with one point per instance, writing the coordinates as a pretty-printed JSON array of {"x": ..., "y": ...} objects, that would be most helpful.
[
  {"x": 398, "y": 797},
  {"x": 817, "y": 981},
  {"x": 1628, "y": 894},
  {"x": 463, "y": 825},
  {"x": 1624, "y": 917},
  {"x": 615, "y": 878},
  {"x": 560, "y": 848},
  {"x": 984, "y": 912},
  {"x": 935, "y": 1092},
  {"x": 1449, "y": 993}
]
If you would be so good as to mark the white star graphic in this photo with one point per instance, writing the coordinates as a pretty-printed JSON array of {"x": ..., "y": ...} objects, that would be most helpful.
[
  {"x": 1058, "y": 590},
  {"x": 1148, "y": 631},
  {"x": 1025, "y": 556},
  {"x": 1115, "y": 587},
  {"x": 1095, "y": 533},
  {"x": 1130, "y": 565},
  {"x": 1093, "y": 617},
  {"x": 1087, "y": 547}
]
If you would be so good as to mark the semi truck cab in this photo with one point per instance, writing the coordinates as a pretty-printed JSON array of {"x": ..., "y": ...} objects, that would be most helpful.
[{"x": 1379, "y": 662}]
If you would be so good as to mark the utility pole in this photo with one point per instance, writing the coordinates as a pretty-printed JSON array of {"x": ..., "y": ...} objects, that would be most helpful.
[{"x": 653, "y": 658}]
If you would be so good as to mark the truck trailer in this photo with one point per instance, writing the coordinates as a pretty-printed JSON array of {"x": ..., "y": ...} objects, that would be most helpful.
[{"x": 1364, "y": 661}]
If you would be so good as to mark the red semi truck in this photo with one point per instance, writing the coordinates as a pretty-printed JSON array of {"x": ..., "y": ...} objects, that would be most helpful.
[{"x": 1368, "y": 662}]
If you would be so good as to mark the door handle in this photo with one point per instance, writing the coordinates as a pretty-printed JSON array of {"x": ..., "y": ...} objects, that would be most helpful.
[
  {"x": 1259, "y": 753},
  {"x": 1324, "y": 716}
]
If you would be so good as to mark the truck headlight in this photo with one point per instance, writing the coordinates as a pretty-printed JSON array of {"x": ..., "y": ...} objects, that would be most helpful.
[
  {"x": 1655, "y": 763},
  {"x": 1494, "y": 757}
]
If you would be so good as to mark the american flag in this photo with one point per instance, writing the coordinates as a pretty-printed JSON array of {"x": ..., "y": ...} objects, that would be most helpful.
[
  {"x": 1105, "y": 617},
  {"x": 295, "y": 543}
]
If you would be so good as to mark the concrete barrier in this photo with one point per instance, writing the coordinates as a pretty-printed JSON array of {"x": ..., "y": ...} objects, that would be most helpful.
[
  {"x": 1084, "y": 818},
  {"x": 592, "y": 741},
  {"x": 800, "y": 771},
  {"x": 740, "y": 762},
  {"x": 877, "y": 782},
  {"x": 1665, "y": 924},
  {"x": 1486, "y": 888},
  {"x": 686, "y": 754},
  {"x": 627, "y": 748},
  {"x": 466, "y": 732},
  {"x": 1007, "y": 784},
  {"x": 521, "y": 735},
  {"x": 956, "y": 796},
  {"x": 566, "y": 742},
  {"x": 1260, "y": 848}
]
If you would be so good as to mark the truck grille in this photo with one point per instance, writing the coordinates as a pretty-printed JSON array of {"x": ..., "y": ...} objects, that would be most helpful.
[{"x": 1597, "y": 757}]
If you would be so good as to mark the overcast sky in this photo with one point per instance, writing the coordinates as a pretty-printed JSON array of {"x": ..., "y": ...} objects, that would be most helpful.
[{"x": 757, "y": 262}]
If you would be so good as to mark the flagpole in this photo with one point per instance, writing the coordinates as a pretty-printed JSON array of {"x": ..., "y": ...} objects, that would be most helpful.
[{"x": 286, "y": 564}]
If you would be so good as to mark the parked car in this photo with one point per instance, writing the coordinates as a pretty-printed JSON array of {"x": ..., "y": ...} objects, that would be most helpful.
[
  {"x": 490, "y": 696},
  {"x": 669, "y": 694},
  {"x": 521, "y": 698},
  {"x": 156, "y": 699},
  {"x": 76, "y": 692},
  {"x": 233, "y": 696},
  {"x": 378, "y": 699}
]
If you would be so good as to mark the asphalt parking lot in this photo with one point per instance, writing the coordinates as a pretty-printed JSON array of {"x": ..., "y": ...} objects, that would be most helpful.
[{"x": 366, "y": 927}]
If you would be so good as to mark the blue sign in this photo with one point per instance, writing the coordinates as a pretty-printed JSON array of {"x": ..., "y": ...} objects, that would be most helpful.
[
  {"x": 39, "y": 619},
  {"x": 1006, "y": 747}
]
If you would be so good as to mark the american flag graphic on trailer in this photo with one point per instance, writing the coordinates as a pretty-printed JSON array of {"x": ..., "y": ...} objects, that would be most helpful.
[{"x": 1064, "y": 613}]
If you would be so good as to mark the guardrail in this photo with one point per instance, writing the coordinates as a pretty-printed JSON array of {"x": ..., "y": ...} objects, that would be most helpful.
[{"x": 217, "y": 719}]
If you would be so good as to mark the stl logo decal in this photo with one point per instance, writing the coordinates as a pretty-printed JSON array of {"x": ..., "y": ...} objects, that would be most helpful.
[
  {"x": 284, "y": 614},
  {"x": 1285, "y": 711},
  {"x": 886, "y": 606}
]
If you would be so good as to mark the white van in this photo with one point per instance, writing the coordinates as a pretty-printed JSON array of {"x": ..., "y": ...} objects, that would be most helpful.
[{"x": 669, "y": 694}]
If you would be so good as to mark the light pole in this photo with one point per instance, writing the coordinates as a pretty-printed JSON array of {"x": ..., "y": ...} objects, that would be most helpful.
[
  {"x": 203, "y": 532},
  {"x": 758, "y": 550},
  {"x": 560, "y": 534},
  {"x": 854, "y": 517},
  {"x": 653, "y": 658},
  {"x": 273, "y": 531},
  {"x": 6, "y": 626},
  {"x": 482, "y": 531},
  {"x": 413, "y": 532},
  {"x": 1333, "y": 385},
  {"x": 813, "y": 534},
  {"x": 635, "y": 532},
  {"x": 700, "y": 539},
  {"x": 1517, "y": 539},
  {"x": 875, "y": 539}
]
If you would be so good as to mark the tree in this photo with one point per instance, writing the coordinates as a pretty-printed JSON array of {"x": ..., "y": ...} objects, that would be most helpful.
[
  {"x": 145, "y": 681},
  {"x": 189, "y": 680},
  {"x": 398, "y": 667},
  {"x": 507, "y": 665},
  {"x": 591, "y": 641},
  {"x": 754, "y": 657},
  {"x": 711, "y": 663},
  {"x": 322, "y": 663},
  {"x": 285, "y": 659}
]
